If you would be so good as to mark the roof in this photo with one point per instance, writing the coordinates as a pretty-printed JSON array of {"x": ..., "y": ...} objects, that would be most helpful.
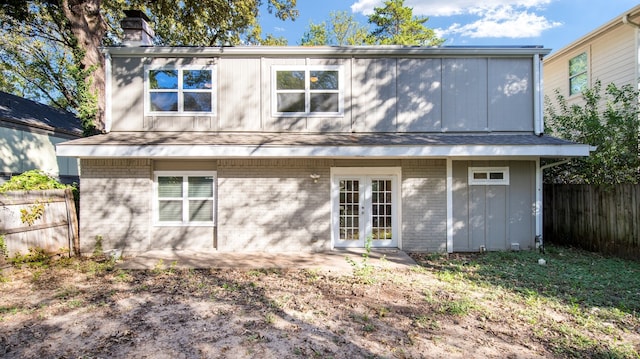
[
  {"x": 617, "y": 21},
  {"x": 20, "y": 111},
  {"x": 333, "y": 51},
  {"x": 332, "y": 145}
]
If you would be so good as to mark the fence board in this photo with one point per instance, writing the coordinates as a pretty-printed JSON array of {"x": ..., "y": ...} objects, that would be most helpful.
[
  {"x": 54, "y": 231},
  {"x": 605, "y": 219}
]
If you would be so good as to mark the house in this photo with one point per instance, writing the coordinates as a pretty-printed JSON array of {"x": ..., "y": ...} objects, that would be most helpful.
[
  {"x": 315, "y": 148},
  {"x": 29, "y": 132},
  {"x": 610, "y": 54}
]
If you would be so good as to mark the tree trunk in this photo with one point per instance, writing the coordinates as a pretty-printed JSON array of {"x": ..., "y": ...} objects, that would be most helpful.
[{"x": 89, "y": 27}]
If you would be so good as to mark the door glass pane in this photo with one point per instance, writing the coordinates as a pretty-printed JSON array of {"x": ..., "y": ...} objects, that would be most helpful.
[
  {"x": 381, "y": 210},
  {"x": 349, "y": 210}
]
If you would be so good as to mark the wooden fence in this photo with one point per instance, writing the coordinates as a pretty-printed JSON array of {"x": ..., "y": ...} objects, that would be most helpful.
[
  {"x": 603, "y": 219},
  {"x": 39, "y": 219}
]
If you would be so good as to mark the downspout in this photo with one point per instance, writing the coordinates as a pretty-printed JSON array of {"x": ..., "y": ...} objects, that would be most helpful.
[
  {"x": 107, "y": 91},
  {"x": 538, "y": 127},
  {"x": 539, "y": 199}
]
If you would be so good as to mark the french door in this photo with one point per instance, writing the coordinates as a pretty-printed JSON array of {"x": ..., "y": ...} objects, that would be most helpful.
[{"x": 365, "y": 207}]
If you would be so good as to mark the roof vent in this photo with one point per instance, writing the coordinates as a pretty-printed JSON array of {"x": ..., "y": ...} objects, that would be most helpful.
[{"x": 137, "y": 31}]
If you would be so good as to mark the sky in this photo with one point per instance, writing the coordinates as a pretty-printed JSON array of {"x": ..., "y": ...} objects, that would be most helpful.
[{"x": 550, "y": 23}]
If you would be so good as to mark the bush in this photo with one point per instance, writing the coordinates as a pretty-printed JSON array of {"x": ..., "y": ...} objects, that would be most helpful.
[{"x": 32, "y": 180}]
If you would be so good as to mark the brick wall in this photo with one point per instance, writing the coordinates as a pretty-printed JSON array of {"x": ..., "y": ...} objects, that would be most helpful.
[
  {"x": 273, "y": 205},
  {"x": 115, "y": 203},
  {"x": 424, "y": 205}
]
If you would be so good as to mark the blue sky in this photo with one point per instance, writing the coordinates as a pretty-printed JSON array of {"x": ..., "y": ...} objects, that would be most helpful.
[{"x": 551, "y": 23}]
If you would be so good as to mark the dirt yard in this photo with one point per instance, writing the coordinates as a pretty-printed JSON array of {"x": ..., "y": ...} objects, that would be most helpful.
[{"x": 84, "y": 309}]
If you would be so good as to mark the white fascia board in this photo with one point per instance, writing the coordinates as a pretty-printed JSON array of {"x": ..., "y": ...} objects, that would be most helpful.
[{"x": 244, "y": 151}]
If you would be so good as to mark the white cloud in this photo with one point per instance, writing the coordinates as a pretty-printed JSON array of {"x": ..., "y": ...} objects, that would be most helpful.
[
  {"x": 494, "y": 18},
  {"x": 502, "y": 22}
]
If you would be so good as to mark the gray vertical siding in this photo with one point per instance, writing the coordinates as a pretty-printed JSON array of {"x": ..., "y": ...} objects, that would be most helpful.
[
  {"x": 380, "y": 95},
  {"x": 497, "y": 215},
  {"x": 464, "y": 97}
]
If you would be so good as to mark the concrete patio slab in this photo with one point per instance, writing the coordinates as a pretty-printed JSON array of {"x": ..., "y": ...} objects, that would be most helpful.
[{"x": 329, "y": 261}]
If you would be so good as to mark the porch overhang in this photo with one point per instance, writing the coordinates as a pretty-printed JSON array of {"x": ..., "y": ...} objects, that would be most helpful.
[{"x": 371, "y": 146}]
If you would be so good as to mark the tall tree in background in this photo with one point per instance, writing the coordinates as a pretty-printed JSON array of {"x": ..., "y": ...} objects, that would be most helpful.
[
  {"x": 609, "y": 120},
  {"x": 395, "y": 25},
  {"x": 342, "y": 29},
  {"x": 50, "y": 49}
]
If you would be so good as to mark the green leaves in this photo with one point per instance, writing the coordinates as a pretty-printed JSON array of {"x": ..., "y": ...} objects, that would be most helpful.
[
  {"x": 609, "y": 120},
  {"x": 396, "y": 25}
]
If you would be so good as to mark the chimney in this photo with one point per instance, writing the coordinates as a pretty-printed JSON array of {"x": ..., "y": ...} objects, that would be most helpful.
[{"x": 137, "y": 31}]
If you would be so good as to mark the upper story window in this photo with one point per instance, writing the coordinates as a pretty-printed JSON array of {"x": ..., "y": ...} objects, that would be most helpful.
[
  {"x": 488, "y": 175},
  {"x": 185, "y": 198},
  {"x": 307, "y": 91},
  {"x": 578, "y": 78},
  {"x": 180, "y": 90}
]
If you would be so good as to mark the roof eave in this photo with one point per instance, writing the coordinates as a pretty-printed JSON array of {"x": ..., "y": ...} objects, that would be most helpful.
[{"x": 314, "y": 151}]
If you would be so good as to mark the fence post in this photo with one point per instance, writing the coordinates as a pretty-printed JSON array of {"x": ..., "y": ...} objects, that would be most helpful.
[{"x": 72, "y": 215}]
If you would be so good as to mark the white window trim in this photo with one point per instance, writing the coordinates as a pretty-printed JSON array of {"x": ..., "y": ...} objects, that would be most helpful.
[
  {"x": 180, "y": 90},
  {"x": 488, "y": 181},
  {"x": 307, "y": 91},
  {"x": 185, "y": 199}
]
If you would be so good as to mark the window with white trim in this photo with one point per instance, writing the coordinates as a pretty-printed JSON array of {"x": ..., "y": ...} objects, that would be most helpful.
[
  {"x": 188, "y": 90},
  {"x": 488, "y": 175},
  {"x": 185, "y": 198},
  {"x": 578, "y": 78},
  {"x": 307, "y": 91}
]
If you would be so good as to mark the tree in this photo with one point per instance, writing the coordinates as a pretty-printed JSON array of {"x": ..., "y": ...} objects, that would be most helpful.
[
  {"x": 607, "y": 120},
  {"x": 342, "y": 29},
  {"x": 395, "y": 25},
  {"x": 50, "y": 49}
]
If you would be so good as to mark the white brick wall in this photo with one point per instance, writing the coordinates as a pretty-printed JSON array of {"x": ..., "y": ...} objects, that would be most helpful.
[
  {"x": 424, "y": 205},
  {"x": 115, "y": 203},
  {"x": 263, "y": 205}
]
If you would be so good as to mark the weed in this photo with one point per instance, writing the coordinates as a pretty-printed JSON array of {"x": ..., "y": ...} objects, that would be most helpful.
[
  {"x": 269, "y": 318},
  {"x": 369, "y": 328},
  {"x": 35, "y": 257},
  {"x": 364, "y": 270},
  {"x": 3, "y": 248},
  {"x": 97, "y": 247}
]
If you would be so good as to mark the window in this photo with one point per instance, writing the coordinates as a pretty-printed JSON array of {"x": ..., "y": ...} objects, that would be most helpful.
[
  {"x": 578, "y": 79},
  {"x": 307, "y": 91},
  {"x": 185, "y": 198},
  {"x": 188, "y": 90},
  {"x": 488, "y": 175}
]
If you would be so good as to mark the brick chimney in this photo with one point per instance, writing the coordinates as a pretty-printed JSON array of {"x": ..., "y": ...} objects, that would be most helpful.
[{"x": 137, "y": 31}]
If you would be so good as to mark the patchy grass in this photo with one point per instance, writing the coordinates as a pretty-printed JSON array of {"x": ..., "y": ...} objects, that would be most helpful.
[{"x": 578, "y": 305}]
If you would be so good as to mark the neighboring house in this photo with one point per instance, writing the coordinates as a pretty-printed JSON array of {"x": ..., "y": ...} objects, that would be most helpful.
[
  {"x": 29, "y": 132},
  {"x": 610, "y": 54},
  {"x": 315, "y": 148}
]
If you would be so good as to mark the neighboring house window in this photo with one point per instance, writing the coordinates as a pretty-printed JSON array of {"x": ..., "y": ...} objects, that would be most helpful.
[
  {"x": 184, "y": 90},
  {"x": 578, "y": 74},
  {"x": 488, "y": 175},
  {"x": 185, "y": 198},
  {"x": 307, "y": 90}
]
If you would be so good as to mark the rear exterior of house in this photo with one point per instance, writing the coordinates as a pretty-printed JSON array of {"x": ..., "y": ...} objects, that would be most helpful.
[
  {"x": 609, "y": 54},
  {"x": 311, "y": 149}
]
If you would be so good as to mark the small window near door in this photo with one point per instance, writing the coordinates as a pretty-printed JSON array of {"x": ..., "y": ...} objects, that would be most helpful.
[{"x": 488, "y": 176}]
